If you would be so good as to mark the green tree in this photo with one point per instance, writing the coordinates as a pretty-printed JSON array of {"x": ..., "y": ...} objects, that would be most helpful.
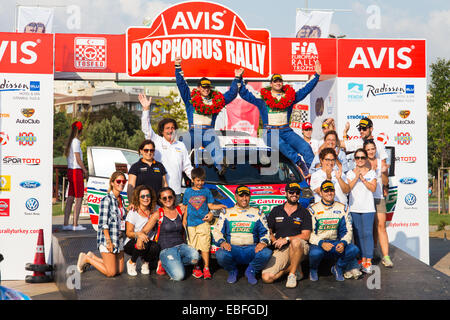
[
  {"x": 130, "y": 120},
  {"x": 439, "y": 119},
  {"x": 169, "y": 107},
  {"x": 61, "y": 132},
  {"x": 108, "y": 133}
]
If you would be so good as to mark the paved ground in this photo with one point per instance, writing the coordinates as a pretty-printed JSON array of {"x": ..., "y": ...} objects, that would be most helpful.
[{"x": 439, "y": 259}]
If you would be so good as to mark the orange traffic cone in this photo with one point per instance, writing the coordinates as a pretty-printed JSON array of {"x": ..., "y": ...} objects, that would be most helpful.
[{"x": 39, "y": 267}]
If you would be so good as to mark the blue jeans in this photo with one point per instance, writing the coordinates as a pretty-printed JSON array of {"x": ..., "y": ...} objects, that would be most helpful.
[
  {"x": 316, "y": 254},
  {"x": 229, "y": 260},
  {"x": 174, "y": 259},
  {"x": 291, "y": 145},
  {"x": 363, "y": 232}
]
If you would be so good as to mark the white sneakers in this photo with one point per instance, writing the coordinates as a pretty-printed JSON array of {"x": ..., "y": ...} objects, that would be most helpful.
[
  {"x": 291, "y": 281},
  {"x": 145, "y": 269},
  {"x": 131, "y": 268},
  {"x": 73, "y": 228}
]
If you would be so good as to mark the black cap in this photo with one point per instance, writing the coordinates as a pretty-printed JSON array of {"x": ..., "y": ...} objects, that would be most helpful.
[
  {"x": 242, "y": 189},
  {"x": 204, "y": 83},
  {"x": 292, "y": 186},
  {"x": 327, "y": 185},
  {"x": 276, "y": 76},
  {"x": 365, "y": 123}
]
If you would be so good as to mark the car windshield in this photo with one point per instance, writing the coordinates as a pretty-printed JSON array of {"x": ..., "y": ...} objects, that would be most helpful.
[{"x": 246, "y": 173}]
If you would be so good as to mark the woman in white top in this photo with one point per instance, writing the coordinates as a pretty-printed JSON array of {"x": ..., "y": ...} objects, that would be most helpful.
[
  {"x": 362, "y": 182},
  {"x": 330, "y": 171},
  {"x": 138, "y": 243},
  {"x": 380, "y": 204},
  {"x": 76, "y": 171}
]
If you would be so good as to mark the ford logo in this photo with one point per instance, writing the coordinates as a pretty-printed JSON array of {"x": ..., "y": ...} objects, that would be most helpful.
[
  {"x": 29, "y": 184},
  {"x": 410, "y": 199},
  {"x": 408, "y": 180},
  {"x": 32, "y": 204}
]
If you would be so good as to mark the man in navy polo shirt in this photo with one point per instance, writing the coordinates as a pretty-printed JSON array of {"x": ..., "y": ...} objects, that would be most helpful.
[
  {"x": 290, "y": 228},
  {"x": 147, "y": 171}
]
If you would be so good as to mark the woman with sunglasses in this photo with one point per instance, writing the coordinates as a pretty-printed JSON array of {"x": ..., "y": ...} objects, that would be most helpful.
[
  {"x": 328, "y": 170},
  {"x": 137, "y": 243},
  {"x": 363, "y": 183},
  {"x": 379, "y": 229},
  {"x": 111, "y": 231},
  {"x": 170, "y": 235},
  {"x": 147, "y": 171}
]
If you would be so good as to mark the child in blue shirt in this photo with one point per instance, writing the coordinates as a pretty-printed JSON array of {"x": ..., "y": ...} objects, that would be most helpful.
[{"x": 198, "y": 201}]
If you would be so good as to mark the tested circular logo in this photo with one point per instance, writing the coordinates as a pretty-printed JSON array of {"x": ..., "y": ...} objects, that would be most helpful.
[
  {"x": 32, "y": 204},
  {"x": 410, "y": 199}
]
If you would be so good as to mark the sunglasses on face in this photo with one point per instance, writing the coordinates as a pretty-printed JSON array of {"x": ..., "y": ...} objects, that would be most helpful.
[
  {"x": 297, "y": 192},
  {"x": 148, "y": 150},
  {"x": 328, "y": 190},
  {"x": 119, "y": 181},
  {"x": 363, "y": 129},
  {"x": 361, "y": 158},
  {"x": 143, "y": 196},
  {"x": 167, "y": 198}
]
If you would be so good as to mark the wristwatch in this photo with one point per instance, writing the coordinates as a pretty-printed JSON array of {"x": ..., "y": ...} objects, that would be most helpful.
[{"x": 287, "y": 239}]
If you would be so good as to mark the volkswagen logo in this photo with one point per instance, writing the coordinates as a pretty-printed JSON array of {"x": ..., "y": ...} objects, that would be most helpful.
[
  {"x": 410, "y": 199},
  {"x": 32, "y": 204}
]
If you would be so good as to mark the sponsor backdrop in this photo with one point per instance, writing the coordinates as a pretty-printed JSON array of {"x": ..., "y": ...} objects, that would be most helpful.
[
  {"x": 385, "y": 81},
  {"x": 26, "y": 144}
]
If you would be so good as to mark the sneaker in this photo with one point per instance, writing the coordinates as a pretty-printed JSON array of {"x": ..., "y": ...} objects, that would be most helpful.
[
  {"x": 197, "y": 272},
  {"x": 250, "y": 274},
  {"x": 78, "y": 228},
  {"x": 67, "y": 228},
  {"x": 356, "y": 273},
  {"x": 160, "y": 270},
  {"x": 291, "y": 281},
  {"x": 313, "y": 275},
  {"x": 81, "y": 263},
  {"x": 131, "y": 268},
  {"x": 348, "y": 274},
  {"x": 387, "y": 262},
  {"x": 206, "y": 274},
  {"x": 337, "y": 273},
  {"x": 232, "y": 276},
  {"x": 145, "y": 269},
  {"x": 367, "y": 267}
]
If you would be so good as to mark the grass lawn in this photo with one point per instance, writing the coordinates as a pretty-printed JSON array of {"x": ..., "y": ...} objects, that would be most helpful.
[
  {"x": 57, "y": 209},
  {"x": 437, "y": 219}
]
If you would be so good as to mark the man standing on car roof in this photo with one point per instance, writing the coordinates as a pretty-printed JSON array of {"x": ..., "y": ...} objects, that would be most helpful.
[
  {"x": 168, "y": 150},
  {"x": 243, "y": 237},
  {"x": 275, "y": 107}
]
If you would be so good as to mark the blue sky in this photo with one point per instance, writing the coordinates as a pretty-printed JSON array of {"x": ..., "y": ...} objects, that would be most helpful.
[{"x": 399, "y": 19}]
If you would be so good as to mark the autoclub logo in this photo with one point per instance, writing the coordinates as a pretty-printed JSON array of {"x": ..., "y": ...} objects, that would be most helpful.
[
  {"x": 408, "y": 180},
  {"x": 32, "y": 204},
  {"x": 206, "y": 35},
  {"x": 5, "y": 183},
  {"x": 90, "y": 53},
  {"x": 387, "y": 89},
  {"x": 404, "y": 113},
  {"x": 355, "y": 91},
  {"x": 4, "y": 138},
  {"x": 403, "y": 138},
  {"x": 26, "y": 139},
  {"x": 4, "y": 207},
  {"x": 304, "y": 56},
  {"x": 27, "y": 112},
  {"x": 410, "y": 199}
]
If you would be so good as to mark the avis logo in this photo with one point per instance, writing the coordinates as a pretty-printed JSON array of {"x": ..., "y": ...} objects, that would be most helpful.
[
  {"x": 400, "y": 59},
  {"x": 4, "y": 138},
  {"x": 32, "y": 204},
  {"x": 403, "y": 138},
  {"x": 26, "y": 139}
]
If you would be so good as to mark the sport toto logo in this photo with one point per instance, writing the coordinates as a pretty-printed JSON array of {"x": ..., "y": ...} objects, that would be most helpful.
[{"x": 211, "y": 39}]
